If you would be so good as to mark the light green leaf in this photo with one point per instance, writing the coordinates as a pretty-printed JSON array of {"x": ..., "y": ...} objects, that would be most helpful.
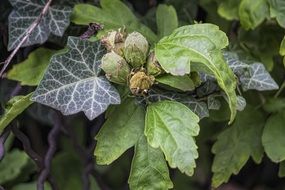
[
  {"x": 71, "y": 83},
  {"x": 229, "y": 9},
  {"x": 282, "y": 49},
  {"x": 236, "y": 144},
  {"x": 166, "y": 19},
  {"x": 31, "y": 71},
  {"x": 183, "y": 83},
  {"x": 277, "y": 10},
  {"x": 12, "y": 165},
  {"x": 124, "y": 126},
  {"x": 113, "y": 14},
  {"x": 26, "y": 12},
  {"x": 15, "y": 107},
  {"x": 273, "y": 137},
  {"x": 252, "y": 13},
  {"x": 149, "y": 169},
  {"x": 171, "y": 126},
  {"x": 199, "y": 45}
]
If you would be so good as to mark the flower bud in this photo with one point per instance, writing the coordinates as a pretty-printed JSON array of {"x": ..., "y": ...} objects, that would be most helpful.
[
  {"x": 115, "y": 67},
  {"x": 114, "y": 41},
  {"x": 136, "y": 49},
  {"x": 140, "y": 83},
  {"x": 152, "y": 65}
]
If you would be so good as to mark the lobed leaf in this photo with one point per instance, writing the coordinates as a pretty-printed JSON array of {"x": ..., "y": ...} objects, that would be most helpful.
[
  {"x": 26, "y": 12},
  {"x": 112, "y": 14},
  {"x": 166, "y": 19},
  {"x": 71, "y": 83},
  {"x": 124, "y": 126},
  {"x": 15, "y": 107},
  {"x": 198, "y": 46},
  {"x": 273, "y": 137},
  {"x": 31, "y": 71},
  {"x": 236, "y": 144},
  {"x": 171, "y": 126},
  {"x": 149, "y": 169}
]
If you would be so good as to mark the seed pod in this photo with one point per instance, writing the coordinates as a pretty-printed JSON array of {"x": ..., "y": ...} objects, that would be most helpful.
[
  {"x": 115, "y": 67},
  {"x": 140, "y": 83},
  {"x": 152, "y": 65},
  {"x": 114, "y": 41},
  {"x": 136, "y": 49}
]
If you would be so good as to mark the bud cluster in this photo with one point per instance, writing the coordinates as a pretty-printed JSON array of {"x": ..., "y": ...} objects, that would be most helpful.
[{"x": 129, "y": 61}]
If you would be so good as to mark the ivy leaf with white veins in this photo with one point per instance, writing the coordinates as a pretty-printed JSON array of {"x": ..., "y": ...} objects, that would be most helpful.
[
  {"x": 171, "y": 126},
  {"x": 257, "y": 78},
  {"x": 71, "y": 82},
  {"x": 198, "y": 47},
  {"x": 26, "y": 12}
]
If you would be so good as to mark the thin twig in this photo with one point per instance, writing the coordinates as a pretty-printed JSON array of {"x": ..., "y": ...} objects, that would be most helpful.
[
  {"x": 26, "y": 35},
  {"x": 52, "y": 141},
  {"x": 27, "y": 145}
]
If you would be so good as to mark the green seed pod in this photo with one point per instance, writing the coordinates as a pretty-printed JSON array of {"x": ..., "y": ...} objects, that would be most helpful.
[
  {"x": 152, "y": 65},
  {"x": 115, "y": 67},
  {"x": 136, "y": 49}
]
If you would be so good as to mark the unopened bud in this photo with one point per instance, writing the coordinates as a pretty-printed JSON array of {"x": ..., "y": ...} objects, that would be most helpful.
[{"x": 152, "y": 65}]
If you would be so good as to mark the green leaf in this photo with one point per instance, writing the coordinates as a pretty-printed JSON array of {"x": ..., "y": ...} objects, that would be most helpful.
[
  {"x": 273, "y": 137},
  {"x": 26, "y": 12},
  {"x": 274, "y": 105},
  {"x": 281, "y": 172},
  {"x": 31, "y": 71},
  {"x": 200, "y": 44},
  {"x": 252, "y": 13},
  {"x": 29, "y": 186},
  {"x": 171, "y": 126},
  {"x": 277, "y": 10},
  {"x": 149, "y": 169},
  {"x": 166, "y": 19},
  {"x": 183, "y": 83},
  {"x": 12, "y": 165},
  {"x": 113, "y": 14},
  {"x": 282, "y": 49},
  {"x": 15, "y": 107},
  {"x": 71, "y": 83},
  {"x": 124, "y": 126},
  {"x": 236, "y": 144},
  {"x": 229, "y": 9}
]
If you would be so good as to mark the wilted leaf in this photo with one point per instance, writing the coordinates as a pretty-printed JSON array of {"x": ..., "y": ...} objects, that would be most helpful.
[
  {"x": 71, "y": 82},
  {"x": 257, "y": 78},
  {"x": 149, "y": 169},
  {"x": 198, "y": 46},
  {"x": 166, "y": 20},
  {"x": 26, "y": 12},
  {"x": 183, "y": 83},
  {"x": 171, "y": 126},
  {"x": 252, "y": 13},
  {"x": 236, "y": 144},
  {"x": 113, "y": 14},
  {"x": 15, "y": 107},
  {"x": 273, "y": 137},
  {"x": 31, "y": 71},
  {"x": 12, "y": 165},
  {"x": 124, "y": 126}
]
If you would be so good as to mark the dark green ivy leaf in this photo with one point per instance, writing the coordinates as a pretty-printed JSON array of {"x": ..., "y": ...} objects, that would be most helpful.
[
  {"x": 26, "y": 12},
  {"x": 236, "y": 144},
  {"x": 149, "y": 170},
  {"x": 71, "y": 83}
]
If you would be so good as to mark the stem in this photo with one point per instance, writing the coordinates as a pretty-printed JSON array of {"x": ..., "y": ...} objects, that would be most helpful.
[
  {"x": 52, "y": 141},
  {"x": 26, "y": 35},
  {"x": 280, "y": 90},
  {"x": 3, "y": 138}
]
